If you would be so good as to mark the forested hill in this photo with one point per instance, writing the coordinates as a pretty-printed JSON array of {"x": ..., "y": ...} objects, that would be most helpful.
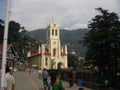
[{"x": 71, "y": 37}]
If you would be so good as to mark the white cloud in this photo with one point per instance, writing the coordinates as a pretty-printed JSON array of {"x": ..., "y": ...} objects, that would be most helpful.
[
  {"x": 34, "y": 14},
  {"x": 79, "y": 26}
]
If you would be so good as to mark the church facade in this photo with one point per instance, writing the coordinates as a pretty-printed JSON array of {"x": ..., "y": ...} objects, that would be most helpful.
[{"x": 50, "y": 55}]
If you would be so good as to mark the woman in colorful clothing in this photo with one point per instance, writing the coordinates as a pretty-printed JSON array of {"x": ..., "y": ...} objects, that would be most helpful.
[{"x": 56, "y": 82}]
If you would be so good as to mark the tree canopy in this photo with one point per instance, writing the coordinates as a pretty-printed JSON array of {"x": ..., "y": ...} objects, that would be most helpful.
[
  {"x": 1, "y": 30},
  {"x": 17, "y": 36},
  {"x": 103, "y": 40},
  {"x": 72, "y": 60}
]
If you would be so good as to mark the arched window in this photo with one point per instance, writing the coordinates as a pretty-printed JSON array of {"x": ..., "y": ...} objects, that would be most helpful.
[
  {"x": 56, "y": 32},
  {"x": 60, "y": 65},
  {"x": 46, "y": 61},
  {"x": 52, "y": 31},
  {"x": 54, "y": 52}
]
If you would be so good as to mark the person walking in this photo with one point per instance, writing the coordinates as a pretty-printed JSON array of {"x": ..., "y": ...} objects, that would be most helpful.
[
  {"x": 48, "y": 85},
  {"x": 39, "y": 73},
  {"x": 70, "y": 79},
  {"x": 44, "y": 76},
  {"x": 9, "y": 82}
]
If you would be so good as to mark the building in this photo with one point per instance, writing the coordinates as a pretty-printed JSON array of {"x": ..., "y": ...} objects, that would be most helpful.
[
  {"x": 12, "y": 56},
  {"x": 50, "y": 55}
]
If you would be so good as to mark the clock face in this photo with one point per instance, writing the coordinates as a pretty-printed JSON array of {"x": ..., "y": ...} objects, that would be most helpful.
[{"x": 54, "y": 42}]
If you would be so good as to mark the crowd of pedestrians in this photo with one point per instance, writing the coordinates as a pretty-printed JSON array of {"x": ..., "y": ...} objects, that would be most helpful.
[{"x": 52, "y": 80}]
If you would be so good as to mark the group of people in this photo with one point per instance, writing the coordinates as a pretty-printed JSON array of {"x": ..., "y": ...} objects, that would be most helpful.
[{"x": 51, "y": 80}]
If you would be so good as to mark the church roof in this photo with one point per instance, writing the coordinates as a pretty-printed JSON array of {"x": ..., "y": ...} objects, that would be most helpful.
[
  {"x": 63, "y": 53},
  {"x": 35, "y": 54}
]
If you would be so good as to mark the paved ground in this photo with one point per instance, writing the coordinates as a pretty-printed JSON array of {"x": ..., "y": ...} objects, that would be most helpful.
[{"x": 26, "y": 81}]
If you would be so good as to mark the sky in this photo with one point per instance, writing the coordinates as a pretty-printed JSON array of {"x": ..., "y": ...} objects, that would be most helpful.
[{"x": 71, "y": 14}]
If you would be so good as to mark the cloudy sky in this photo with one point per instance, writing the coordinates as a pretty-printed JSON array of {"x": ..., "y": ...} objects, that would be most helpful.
[{"x": 71, "y": 14}]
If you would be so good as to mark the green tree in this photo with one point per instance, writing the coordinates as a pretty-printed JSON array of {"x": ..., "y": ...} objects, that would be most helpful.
[
  {"x": 103, "y": 41},
  {"x": 17, "y": 36},
  {"x": 1, "y": 30},
  {"x": 72, "y": 60},
  {"x": 15, "y": 32}
]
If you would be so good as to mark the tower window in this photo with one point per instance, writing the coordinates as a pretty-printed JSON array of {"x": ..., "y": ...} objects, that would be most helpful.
[
  {"x": 46, "y": 61},
  {"x": 52, "y": 31},
  {"x": 56, "y": 32},
  {"x": 54, "y": 52},
  {"x": 54, "y": 24}
]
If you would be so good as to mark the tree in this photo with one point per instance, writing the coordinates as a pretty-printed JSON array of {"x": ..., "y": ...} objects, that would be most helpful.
[
  {"x": 1, "y": 30},
  {"x": 13, "y": 33},
  {"x": 17, "y": 36},
  {"x": 103, "y": 41},
  {"x": 72, "y": 60},
  {"x": 1, "y": 22}
]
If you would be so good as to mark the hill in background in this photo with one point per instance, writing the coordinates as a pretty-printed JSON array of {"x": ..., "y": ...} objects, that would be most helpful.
[{"x": 70, "y": 37}]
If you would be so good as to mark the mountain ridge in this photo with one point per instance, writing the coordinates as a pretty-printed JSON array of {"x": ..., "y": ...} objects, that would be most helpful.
[{"x": 70, "y": 37}]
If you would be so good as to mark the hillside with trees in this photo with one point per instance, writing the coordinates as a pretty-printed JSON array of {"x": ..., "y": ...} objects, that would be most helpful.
[{"x": 70, "y": 37}]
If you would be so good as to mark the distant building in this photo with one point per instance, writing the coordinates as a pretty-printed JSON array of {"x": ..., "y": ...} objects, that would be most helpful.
[
  {"x": 12, "y": 56},
  {"x": 50, "y": 55}
]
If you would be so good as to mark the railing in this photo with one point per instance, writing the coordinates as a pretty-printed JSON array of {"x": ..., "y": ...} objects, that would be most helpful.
[{"x": 90, "y": 79}]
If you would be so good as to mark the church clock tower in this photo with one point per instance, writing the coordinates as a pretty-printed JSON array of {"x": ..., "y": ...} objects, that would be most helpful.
[
  {"x": 53, "y": 40},
  {"x": 51, "y": 55},
  {"x": 58, "y": 53}
]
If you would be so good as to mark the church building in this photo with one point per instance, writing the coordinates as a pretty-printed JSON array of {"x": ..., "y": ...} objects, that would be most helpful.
[{"x": 50, "y": 55}]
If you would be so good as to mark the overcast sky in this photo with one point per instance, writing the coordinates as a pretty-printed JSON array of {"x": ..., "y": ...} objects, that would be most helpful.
[{"x": 72, "y": 14}]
